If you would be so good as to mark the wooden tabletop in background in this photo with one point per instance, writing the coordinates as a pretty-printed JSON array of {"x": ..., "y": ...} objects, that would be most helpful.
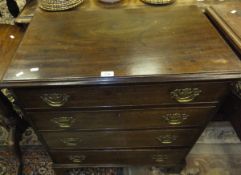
[
  {"x": 10, "y": 37},
  {"x": 227, "y": 17},
  {"x": 28, "y": 12}
]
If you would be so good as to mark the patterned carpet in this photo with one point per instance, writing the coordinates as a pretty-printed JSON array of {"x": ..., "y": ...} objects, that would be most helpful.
[
  {"x": 5, "y": 16},
  {"x": 217, "y": 152}
]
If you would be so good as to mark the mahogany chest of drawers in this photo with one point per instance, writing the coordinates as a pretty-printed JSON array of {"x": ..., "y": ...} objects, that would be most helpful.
[{"x": 120, "y": 87}]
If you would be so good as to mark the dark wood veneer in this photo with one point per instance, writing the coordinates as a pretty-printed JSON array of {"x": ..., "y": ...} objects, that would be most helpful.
[
  {"x": 145, "y": 42},
  {"x": 119, "y": 95},
  {"x": 121, "y": 139},
  {"x": 153, "y": 53},
  {"x": 226, "y": 17},
  {"x": 228, "y": 23},
  {"x": 10, "y": 37},
  {"x": 122, "y": 157},
  {"x": 149, "y": 118}
]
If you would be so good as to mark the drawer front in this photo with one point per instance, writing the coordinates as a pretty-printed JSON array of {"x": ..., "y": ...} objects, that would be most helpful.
[
  {"x": 90, "y": 170},
  {"x": 120, "y": 157},
  {"x": 120, "y": 139},
  {"x": 122, "y": 95},
  {"x": 122, "y": 119}
]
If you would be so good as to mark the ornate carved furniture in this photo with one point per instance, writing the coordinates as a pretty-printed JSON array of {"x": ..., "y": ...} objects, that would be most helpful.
[{"x": 120, "y": 87}]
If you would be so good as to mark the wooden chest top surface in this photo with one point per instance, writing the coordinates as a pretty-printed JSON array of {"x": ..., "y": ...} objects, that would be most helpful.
[{"x": 170, "y": 42}]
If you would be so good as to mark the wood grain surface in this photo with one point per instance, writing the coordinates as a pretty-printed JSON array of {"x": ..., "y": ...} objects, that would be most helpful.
[
  {"x": 29, "y": 10},
  {"x": 106, "y": 96},
  {"x": 121, "y": 119},
  {"x": 228, "y": 19},
  {"x": 10, "y": 37},
  {"x": 121, "y": 157},
  {"x": 133, "y": 43}
]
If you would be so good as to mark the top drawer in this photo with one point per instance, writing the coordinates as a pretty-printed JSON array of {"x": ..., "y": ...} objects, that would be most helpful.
[{"x": 119, "y": 95}]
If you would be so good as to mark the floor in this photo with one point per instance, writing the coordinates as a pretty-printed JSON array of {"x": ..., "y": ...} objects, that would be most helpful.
[{"x": 217, "y": 152}]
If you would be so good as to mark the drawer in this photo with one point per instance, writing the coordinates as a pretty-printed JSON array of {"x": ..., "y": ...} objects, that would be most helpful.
[
  {"x": 122, "y": 119},
  {"x": 120, "y": 157},
  {"x": 90, "y": 170},
  {"x": 122, "y": 95},
  {"x": 120, "y": 139}
]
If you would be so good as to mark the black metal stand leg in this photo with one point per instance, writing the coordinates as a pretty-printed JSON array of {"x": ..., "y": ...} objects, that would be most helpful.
[
  {"x": 17, "y": 129},
  {"x": 15, "y": 124}
]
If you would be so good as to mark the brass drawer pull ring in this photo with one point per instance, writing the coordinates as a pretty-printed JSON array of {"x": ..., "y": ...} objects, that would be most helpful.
[
  {"x": 63, "y": 122},
  {"x": 55, "y": 99},
  {"x": 70, "y": 141},
  {"x": 159, "y": 158},
  {"x": 167, "y": 139},
  {"x": 185, "y": 95},
  {"x": 77, "y": 159},
  {"x": 175, "y": 118}
]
